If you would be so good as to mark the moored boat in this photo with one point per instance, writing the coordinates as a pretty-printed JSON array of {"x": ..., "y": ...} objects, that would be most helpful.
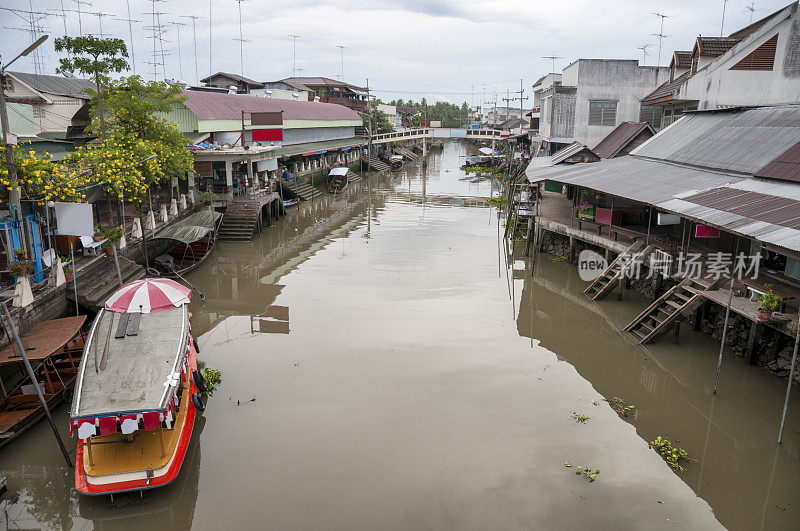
[
  {"x": 194, "y": 241},
  {"x": 396, "y": 162},
  {"x": 136, "y": 396},
  {"x": 337, "y": 179},
  {"x": 56, "y": 345}
]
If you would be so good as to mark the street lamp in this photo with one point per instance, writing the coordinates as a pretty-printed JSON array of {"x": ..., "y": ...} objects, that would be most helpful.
[{"x": 14, "y": 194}]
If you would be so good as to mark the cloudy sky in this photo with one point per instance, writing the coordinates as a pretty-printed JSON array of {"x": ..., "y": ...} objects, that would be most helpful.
[{"x": 441, "y": 49}]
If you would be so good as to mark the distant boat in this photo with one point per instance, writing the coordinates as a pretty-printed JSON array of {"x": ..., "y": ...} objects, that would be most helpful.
[
  {"x": 195, "y": 240},
  {"x": 136, "y": 396},
  {"x": 290, "y": 202},
  {"x": 337, "y": 179},
  {"x": 396, "y": 162}
]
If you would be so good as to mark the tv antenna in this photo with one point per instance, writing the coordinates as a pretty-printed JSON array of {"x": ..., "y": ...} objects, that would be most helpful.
[
  {"x": 158, "y": 39},
  {"x": 178, "y": 40},
  {"x": 341, "y": 49},
  {"x": 241, "y": 39},
  {"x": 79, "y": 11},
  {"x": 661, "y": 35},
  {"x": 752, "y": 8},
  {"x": 100, "y": 16},
  {"x": 294, "y": 54},
  {"x": 33, "y": 27},
  {"x": 62, "y": 13},
  {"x": 553, "y": 60},
  {"x": 130, "y": 22},
  {"x": 194, "y": 37},
  {"x": 722, "y": 25},
  {"x": 643, "y": 48}
]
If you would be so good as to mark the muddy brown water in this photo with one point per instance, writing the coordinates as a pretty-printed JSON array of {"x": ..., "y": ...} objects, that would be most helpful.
[{"x": 425, "y": 380}]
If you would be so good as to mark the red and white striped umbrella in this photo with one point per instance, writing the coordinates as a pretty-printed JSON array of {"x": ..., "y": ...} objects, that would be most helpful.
[{"x": 148, "y": 295}]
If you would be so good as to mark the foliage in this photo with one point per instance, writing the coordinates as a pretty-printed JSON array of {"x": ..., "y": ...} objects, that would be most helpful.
[
  {"x": 586, "y": 471},
  {"x": 207, "y": 198},
  {"x": 21, "y": 254},
  {"x": 40, "y": 177},
  {"x": 91, "y": 55},
  {"x": 619, "y": 405},
  {"x": 380, "y": 121},
  {"x": 479, "y": 169},
  {"x": 449, "y": 114},
  {"x": 212, "y": 378},
  {"x": 113, "y": 236},
  {"x": 497, "y": 201},
  {"x": 767, "y": 301},
  {"x": 671, "y": 454},
  {"x": 579, "y": 417},
  {"x": 21, "y": 268}
]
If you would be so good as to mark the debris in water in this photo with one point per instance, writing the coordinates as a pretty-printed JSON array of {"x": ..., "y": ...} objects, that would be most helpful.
[
  {"x": 239, "y": 402},
  {"x": 619, "y": 405},
  {"x": 579, "y": 417},
  {"x": 585, "y": 471}
]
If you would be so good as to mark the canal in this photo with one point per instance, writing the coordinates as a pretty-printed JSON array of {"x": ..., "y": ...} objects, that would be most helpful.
[{"x": 386, "y": 364}]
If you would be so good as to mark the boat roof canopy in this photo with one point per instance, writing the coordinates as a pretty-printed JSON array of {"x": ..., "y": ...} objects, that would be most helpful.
[
  {"x": 339, "y": 171},
  {"x": 191, "y": 228},
  {"x": 396, "y": 157},
  {"x": 140, "y": 370},
  {"x": 44, "y": 339}
]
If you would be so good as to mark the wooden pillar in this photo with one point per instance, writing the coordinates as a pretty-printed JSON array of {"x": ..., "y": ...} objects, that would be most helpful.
[
  {"x": 529, "y": 237},
  {"x": 571, "y": 253},
  {"x": 676, "y": 331},
  {"x": 228, "y": 173},
  {"x": 750, "y": 353}
]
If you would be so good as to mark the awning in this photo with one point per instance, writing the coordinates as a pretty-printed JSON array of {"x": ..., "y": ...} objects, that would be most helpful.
[
  {"x": 191, "y": 228},
  {"x": 338, "y": 171}
]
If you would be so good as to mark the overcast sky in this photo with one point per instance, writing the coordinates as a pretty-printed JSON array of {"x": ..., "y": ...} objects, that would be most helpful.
[{"x": 441, "y": 49}]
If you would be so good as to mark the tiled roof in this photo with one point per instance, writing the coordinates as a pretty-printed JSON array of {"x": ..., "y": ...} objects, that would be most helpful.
[
  {"x": 785, "y": 167},
  {"x": 682, "y": 59},
  {"x": 715, "y": 46},
  {"x": 320, "y": 81},
  {"x": 668, "y": 88},
  {"x": 617, "y": 139},
  {"x": 57, "y": 85},
  {"x": 235, "y": 77},
  {"x": 218, "y": 106}
]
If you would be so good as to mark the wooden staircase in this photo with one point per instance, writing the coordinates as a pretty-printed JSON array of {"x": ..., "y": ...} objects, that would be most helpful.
[
  {"x": 376, "y": 164},
  {"x": 677, "y": 303},
  {"x": 240, "y": 219},
  {"x": 98, "y": 280},
  {"x": 407, "y": 153},
  {"x": 615, "y": 272},
  {"x": 304, "y": 191}
]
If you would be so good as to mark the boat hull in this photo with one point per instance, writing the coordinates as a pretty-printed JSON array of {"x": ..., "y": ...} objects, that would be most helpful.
[{"x": 84, "y": 486}]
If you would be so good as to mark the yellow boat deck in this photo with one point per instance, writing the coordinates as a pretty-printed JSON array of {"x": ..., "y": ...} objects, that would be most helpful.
[{"x": 109, "y": 454}]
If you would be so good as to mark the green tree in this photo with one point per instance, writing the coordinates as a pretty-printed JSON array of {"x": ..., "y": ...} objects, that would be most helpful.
[{"x": 95, "y": 56}]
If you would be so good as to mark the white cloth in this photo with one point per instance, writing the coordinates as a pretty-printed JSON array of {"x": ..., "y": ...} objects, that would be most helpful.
[
  {"x": 129, "y": 426},
  {"x": 86, "y": 430}
]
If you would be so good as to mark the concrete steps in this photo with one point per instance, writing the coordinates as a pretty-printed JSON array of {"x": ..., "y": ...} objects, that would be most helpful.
[
  {"x": 376, "y": 164},
  {"x": 304, "y": 191},
  {"x": 98, "y": 281},
  {"x": 409, "y": 154}
]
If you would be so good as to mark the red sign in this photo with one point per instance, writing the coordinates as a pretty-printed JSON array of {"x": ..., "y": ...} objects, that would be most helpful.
[
  {"x": 267, "y": 135},
  {"x": 706, "y": 231}
]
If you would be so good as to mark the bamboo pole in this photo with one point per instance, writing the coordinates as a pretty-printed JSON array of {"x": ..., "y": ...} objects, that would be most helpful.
[
  {"x": 724, "y": 333},
  {"x": 789, "y": 385}
]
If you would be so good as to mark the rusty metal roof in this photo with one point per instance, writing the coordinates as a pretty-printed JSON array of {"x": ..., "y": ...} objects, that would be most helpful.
[
  {"x": 44, "y": 339},
  {"x": 56, "y": 85},
  {"x": 321, "y": 82},
  {"x": 569, "y": 151},
  {"x": 219, "y": 106},
  {"x": 620, "y": 137},
  {"x": 785, "y": 167},
  {"x": 235, "y": 77}
]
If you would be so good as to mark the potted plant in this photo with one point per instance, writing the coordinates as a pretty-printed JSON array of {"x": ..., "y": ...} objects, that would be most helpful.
[
  {"x": 113, "y": 236},
  {"x": 99, "y": 233},
  {"x": 767, "y": 303},
  {"x": 21, "y": 266},
  {"x": 68, "y": 272}
]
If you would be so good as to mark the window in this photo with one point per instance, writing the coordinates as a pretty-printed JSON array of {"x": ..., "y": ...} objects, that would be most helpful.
[
  {"x": 602, "y": 113},
  {"x": 652, "y": 115},
  {"x": 694, "y": 65},
  {"x": 762, "y": 58}
]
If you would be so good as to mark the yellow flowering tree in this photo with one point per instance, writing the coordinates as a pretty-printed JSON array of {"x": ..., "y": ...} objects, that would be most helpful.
[{"x": 39, "y": 177}]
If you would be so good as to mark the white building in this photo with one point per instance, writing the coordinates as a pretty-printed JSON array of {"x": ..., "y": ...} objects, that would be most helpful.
[
  {"x": 492, "y": 116},
  {"x": 590, "y": 98},
  {"x": 390, "y": 111},
  {"x": 756, "y": 65}
]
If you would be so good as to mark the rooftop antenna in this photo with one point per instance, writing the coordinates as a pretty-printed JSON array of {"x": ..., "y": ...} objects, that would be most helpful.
[
  {"x": 33, "y": 27},
  {"x": 300, "y": 71},
  {"x": 661, "y": 36},
  {"x": 722, "y": 26},
  {"x": 210, "y": 72},
  {"x": 60, "y": 13},
  {"x": 130, "y": 22},
  {"x": 100, "y": 16},
  {"x": 194, "y": 38},
  {"x": 752, "y": 8},
  {"x": 157, "y": 36},
  {"x": 241, "y": 39},
  {"x": 178, "y": 40},
  {"x": 643, "y": 48},
  {"x": 294, "y": 54},
  {"x": 341, "y": 49},
  {"x": 78, "y": 4},
  {"x": 553, "y": 59}
]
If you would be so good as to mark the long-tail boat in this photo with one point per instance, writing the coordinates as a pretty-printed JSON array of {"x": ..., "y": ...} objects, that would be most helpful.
[
  {"x": 136, "y": 393},
  {"x": 194, "y": 241},
  {"x": 337, "y": 179},
  {"x": 54, "y": 348}
]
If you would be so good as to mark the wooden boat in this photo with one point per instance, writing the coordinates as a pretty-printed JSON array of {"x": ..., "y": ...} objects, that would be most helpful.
[
  {"x": 337, "y": 179},
  {"x": 195, "y": 240},
  {"x": 396, "y": 162},
  {"x": 56, "y": 347},
  {"x": 135, "y": 399}
]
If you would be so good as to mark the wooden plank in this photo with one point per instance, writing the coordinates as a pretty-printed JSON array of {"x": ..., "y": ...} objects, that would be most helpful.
[{"x": 122, "y": 326}]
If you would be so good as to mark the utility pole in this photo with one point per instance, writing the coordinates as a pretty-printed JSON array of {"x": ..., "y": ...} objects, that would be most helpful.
[
  {"x": 194, "y": 38},
  {"x": 294, "y": 54},
  {"x": 661, "y": 35},
  {"x": 241, "y": 39},
  {"x": 508, "y": 99},
  {"x": 130, "y": 22},
  {"x": 341, "y": 49}
]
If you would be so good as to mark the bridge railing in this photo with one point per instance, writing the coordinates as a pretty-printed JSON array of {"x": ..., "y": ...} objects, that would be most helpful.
[{"x": 429, "y": 131}]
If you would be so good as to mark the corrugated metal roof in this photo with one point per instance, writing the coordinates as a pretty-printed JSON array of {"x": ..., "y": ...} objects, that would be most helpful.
[
  {"x": 57, "y": 85},
  {"x": 785, "y": 167},
  {"x": 739, "y": 141},
  {"x": 617, "y": 139},
  {"x": 568, "y": 151},
  {"x": 321, "y": 81},
  {"x": 218, "y": 106},
  {"x": 235, "y": 77}
]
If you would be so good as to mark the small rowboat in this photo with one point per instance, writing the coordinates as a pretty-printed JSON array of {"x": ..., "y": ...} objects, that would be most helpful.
[
  {"x": 136, "y": 392},
  {"x": 56, "y": 345},
  {"x": 337, "y": 180},
  {"x": 396, "y": 162},
  {"x": 194, "y": 237}
]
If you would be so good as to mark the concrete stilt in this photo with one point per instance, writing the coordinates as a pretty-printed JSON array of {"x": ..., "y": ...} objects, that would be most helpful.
[
  {"x": 136, "y": 231},
  {"x": 23, "y": 295}
]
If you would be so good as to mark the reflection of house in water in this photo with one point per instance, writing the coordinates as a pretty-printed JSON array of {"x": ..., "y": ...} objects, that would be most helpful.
[{"x": 242, "y": 278}]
